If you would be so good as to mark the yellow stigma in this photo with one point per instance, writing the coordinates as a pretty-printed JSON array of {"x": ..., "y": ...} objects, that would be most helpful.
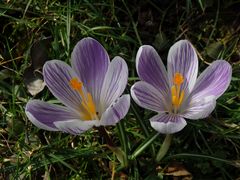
[
  {"x": 88, "y": 107},
  {"x": 178, "y": 79},
  {"x": 177, "y": 94},
  {"x": 75, "y": 84}
]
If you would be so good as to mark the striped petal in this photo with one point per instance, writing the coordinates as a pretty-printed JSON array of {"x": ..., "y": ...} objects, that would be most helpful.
[
  {"x": 57, "y": 76},
  {"x": 214, "y": 80},
  {"x": 147, "y": 96},
  {"x": 182, "y": 59},
  {"x": 75, "y": 126},
  {"x": 167, "y": 123},
  {"x": 116, "y": 111},
  {"x": 150, "y": 68},
  {"x": 200, "y": 108},
  {"x": 44, "y": 115},
  {"x": 90, "y": 61},
  {"x": 211, "y": 84},
  {"x": 114, "y": 83}
]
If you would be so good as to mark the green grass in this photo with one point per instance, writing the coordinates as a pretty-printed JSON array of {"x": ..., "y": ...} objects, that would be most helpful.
[{"x": 208, "y": 148}]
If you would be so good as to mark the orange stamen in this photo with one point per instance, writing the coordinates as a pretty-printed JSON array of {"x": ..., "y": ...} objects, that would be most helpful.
[
  {"x": 177, "y": 94},
  {"x": 75, "y": 84},
  {"x": 89, "y": 109},
  {"x": 178, "y": 79}
]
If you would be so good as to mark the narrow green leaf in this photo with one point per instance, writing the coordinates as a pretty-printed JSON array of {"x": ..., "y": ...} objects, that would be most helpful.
[{"x": 144, "y": 145}]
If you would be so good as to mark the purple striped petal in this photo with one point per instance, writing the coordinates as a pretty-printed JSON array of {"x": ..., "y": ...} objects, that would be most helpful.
[
  {"x": 57, "y": 76},
  {"x": 150, "y": 68},
  {"x": 90, "y": 61},
  {"x": 75, "y": 126},
  {"x": 114, "y": 83},
  {"x": 116, "y": 111},
  {"x": 211, "y": 84},
  {"x": 200, "y": 108},
  {"x": 167, "y": 123},
  {"x": 43, "y": 115},
  {"x": 182, "y": 58},
  {"x": 147, "y": 96},
  {"x": 214, "y": 80}
]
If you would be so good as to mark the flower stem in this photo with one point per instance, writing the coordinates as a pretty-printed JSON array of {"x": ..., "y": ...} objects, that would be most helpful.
[
  {"x": 102, "y": 131},
  {"x": 164, "y": 148}
]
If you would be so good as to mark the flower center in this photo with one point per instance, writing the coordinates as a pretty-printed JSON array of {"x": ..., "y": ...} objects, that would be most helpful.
[
  {"x": 88, "y": 107},
  {"x": 177, "y": 94}
]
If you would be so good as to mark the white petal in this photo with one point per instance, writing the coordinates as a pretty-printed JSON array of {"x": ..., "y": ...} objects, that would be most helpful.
[
  {"x": 57, "y": 76},
  {"x": 114, "y": 83},
  {"x": 182, "y": 58},
  {"x": 116, "y": 111},
  {"x": 167, "y": 123},
  {"x": 151, "y": 69},
  {"x": 75, "y": 126},
  {"x": 214, "y": 80},
  {"x": 147, "y": 96},
  {"x": 38, "y": 123},
  {"x": 200, "y": 108},
  {"x": 90, "y": 61},
  {"x": 43, "y": 114}
]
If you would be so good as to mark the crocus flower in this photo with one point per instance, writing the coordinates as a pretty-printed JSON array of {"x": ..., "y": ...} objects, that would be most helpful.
[
  {"x": 177, "y": 94},
  {"x": 89, "y": 90}
]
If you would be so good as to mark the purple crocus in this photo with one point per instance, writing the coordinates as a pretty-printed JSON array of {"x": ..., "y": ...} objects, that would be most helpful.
[
  {"x": 90, "y": 91},
  {"x": 178, "y": 93}
]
